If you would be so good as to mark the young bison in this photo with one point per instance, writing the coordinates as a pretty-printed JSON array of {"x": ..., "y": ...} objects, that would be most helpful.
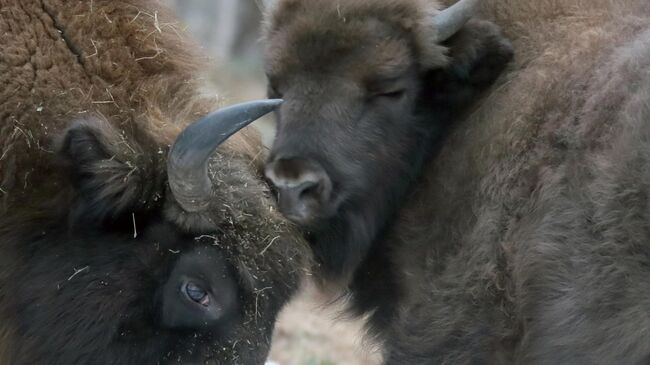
[
  {"x": 112, "y": 253},
  {"x": 527, "y": 239},
  {"x": 369, "y": 86}
]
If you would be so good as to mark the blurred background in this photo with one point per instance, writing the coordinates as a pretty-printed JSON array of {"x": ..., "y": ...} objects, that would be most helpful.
[{"x": 310, "y": 331}]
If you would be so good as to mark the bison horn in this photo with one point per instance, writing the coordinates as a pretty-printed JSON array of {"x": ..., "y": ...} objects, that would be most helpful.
[
  {"x": 449, "y": 21},
  {"x": 187, "y": 164}
]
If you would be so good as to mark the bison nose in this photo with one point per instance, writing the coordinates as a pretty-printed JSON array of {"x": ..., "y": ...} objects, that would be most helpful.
[{"x": 303, "y": 187}]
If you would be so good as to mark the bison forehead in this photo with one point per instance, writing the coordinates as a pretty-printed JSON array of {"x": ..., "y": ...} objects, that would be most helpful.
[
  {"x": 322, "y": 53},
  {"x": 349, "y": 40},
  {"x": 405, "y": 13}
]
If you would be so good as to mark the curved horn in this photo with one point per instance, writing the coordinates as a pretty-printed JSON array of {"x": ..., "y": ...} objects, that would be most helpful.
[
  {"x": 449, "y": 21},
  {"x": 187, "y": 164}
]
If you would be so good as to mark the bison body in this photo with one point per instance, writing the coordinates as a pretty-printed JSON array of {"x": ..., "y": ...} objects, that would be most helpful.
[
  {"x": 526, "y": 239},
  {"x": 101, "y": 262}
]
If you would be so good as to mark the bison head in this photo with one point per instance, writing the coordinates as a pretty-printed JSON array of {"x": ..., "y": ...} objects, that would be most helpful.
[
  {"x": 367, "y": 87},
  {"x": 124, "y": 270}
]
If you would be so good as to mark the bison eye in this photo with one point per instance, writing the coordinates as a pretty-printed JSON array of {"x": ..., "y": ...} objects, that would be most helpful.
[
  {"x": 395, "y": 94},
  {"x": 196, "y": 294}
]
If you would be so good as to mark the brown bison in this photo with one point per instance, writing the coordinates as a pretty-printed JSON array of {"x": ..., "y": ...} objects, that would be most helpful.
[
  {"x": 369, "y": 87},
  {"x": 527, "y": 240},
  {"x": 113, "y": 253}
]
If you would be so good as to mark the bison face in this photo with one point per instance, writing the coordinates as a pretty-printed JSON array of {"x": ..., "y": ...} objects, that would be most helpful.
[
  {"x": 125, "y": 271},
  {"x": 368, "y": 85},
  {"x": 93, "y": 297},
  {"x": 348, "y": 117}
]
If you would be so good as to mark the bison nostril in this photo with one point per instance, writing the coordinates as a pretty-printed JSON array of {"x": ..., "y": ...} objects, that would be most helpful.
[
  {"x": 310, "y": 190},
  {"x": 304, "y": 188}
]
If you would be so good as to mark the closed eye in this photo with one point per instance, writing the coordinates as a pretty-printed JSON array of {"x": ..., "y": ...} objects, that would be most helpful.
[
  {"x": 396, "y": 94},
  {"x": 392, "y": 95}
]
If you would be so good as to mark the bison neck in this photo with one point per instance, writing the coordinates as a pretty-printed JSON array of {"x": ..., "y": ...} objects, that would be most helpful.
[{"x": 343, "y": 243}]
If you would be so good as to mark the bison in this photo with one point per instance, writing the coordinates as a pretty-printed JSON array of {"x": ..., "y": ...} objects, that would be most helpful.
[
  {"x": 370, "y": 86},
  {"x": 117, "y": 248},
  {"x": 526, "y": 239}
]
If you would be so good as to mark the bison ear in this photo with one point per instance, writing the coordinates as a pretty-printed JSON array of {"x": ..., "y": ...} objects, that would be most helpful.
[
  {"x": 478, "y": 54},
  {"x": 104, "y": 170}
]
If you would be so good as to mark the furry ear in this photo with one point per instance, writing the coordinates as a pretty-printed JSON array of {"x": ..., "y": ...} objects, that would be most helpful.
[
  {"x": 107, "y": 172},
  {"x": 478, "y": 54}
]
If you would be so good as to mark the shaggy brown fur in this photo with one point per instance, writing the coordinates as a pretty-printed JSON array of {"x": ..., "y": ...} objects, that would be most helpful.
[
  {"x": 93, "y": 94},
  {"x": 121, "y": 62},
  {"x": 536, "y": 249},
  {"x": 526, "y": 242}
]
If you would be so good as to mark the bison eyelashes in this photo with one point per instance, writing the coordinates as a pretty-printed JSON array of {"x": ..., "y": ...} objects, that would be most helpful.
[
  {"x": 392, "y": 88},
  {"x": 394, "y": 95}
]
